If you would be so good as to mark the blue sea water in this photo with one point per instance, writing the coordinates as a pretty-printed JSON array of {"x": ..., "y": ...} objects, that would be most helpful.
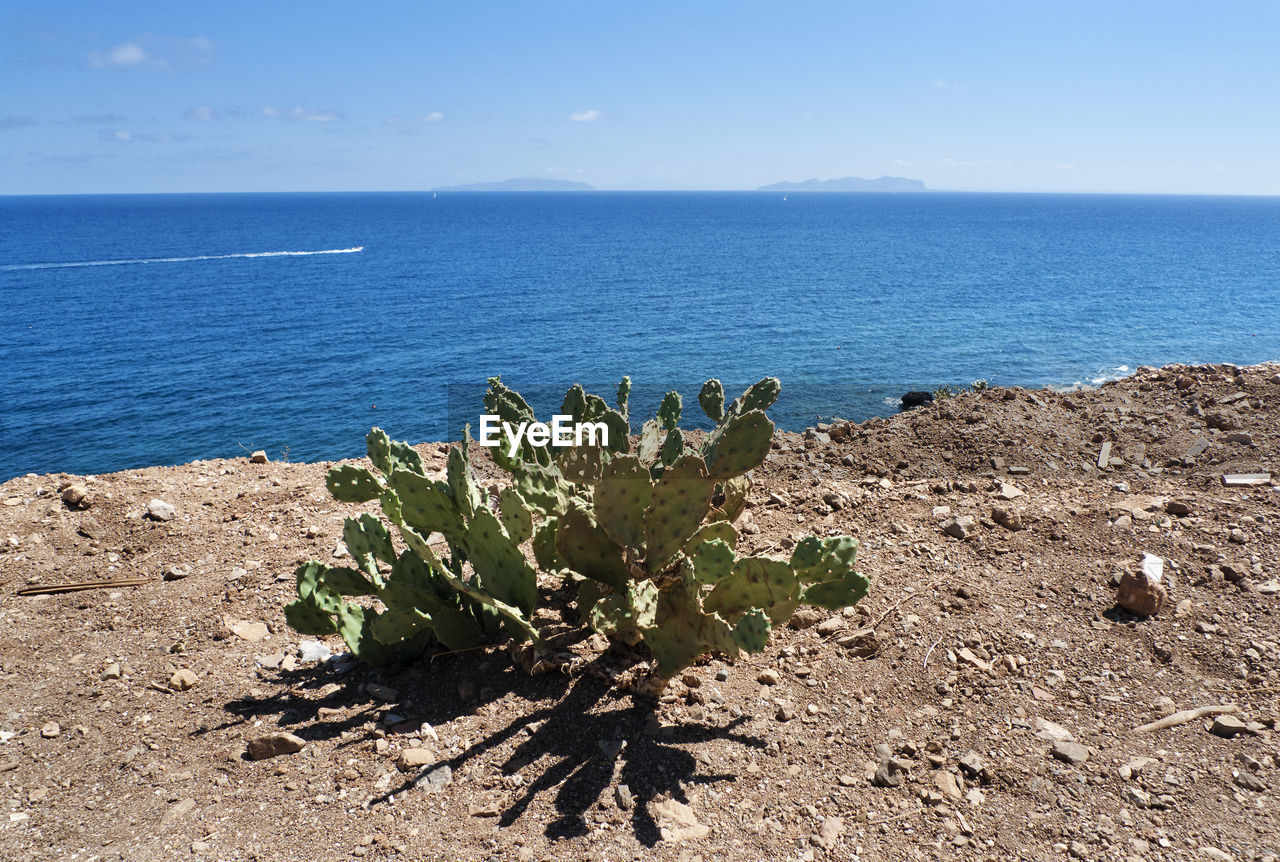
[{"x": 141, "y": 330}]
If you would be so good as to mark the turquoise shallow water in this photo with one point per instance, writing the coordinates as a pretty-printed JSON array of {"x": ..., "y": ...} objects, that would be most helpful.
[{"x": 143, "y": 330}]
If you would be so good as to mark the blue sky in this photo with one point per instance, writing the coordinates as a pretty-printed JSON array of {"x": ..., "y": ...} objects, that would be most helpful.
[{"x": 1168, "y": 97}]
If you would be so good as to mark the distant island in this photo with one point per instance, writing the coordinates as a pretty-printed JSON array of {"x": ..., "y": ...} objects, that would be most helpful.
[
  {"x": 521, "y": 185},
  {"x": 850, "y": 184}
]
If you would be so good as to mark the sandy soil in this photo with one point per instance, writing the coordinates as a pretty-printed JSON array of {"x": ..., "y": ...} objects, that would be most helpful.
[{"x": 950, "y": 681}]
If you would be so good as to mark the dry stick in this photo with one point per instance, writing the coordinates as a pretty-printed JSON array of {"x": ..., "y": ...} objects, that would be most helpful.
[
  {"x": 1186, "y": 715},
  {"x": 896, "y": 605},
  {"x": 77, "y": 586}
]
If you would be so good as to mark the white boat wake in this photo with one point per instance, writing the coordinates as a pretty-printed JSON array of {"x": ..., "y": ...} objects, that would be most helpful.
[{"x": 23, "y": 266}]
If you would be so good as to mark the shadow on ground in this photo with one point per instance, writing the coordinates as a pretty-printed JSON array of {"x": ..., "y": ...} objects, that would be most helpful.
[{"x": 581, "y": 734}]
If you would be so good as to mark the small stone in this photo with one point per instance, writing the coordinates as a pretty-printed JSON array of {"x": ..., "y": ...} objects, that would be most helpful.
[
  {"x": 829, "y": 833},
  {"x": 1228, "y": 726},
  {"x": 1136, "y": 796},
  {"x": 967, "y": 656},
  {"x": 1249, "y": 781},
  {"x": 383, "y": 692},
  {"x": 768, "y": 676},
  {"x": 1070, "y": 752},
  {"x": 891, "y": 773},
  {"x": 313, "y": 651},
  {"x": 692, "y": 680},
  {"x": 275, "y": 744},
  {"x": 258, "y": 457},
  {"x": 958, "y": 528},
  {"x": 1142, "y": 593},
  {"x": 415, "y": 758},
  {"x": 51, "y": 730},
  {"x": 947, "y": 785},
  {"x": 183, "y": 679},
  {"x": 112, "y": 671},
  {"x": 176, "y": 573},
  {"x": 249, "y": 631},
  {"x": 159, "y": 510},
  {"x": 971, "y": 764},
  {"x": 435, "y": 778},
  {"x": 90, "y": 528},
  {"x": 76, "y": 496},
  {"x": 1007, "y": 518},
  {"x": 804, "y": 617},
  {"x": 623, "y": 797},
  {"x": 677, "y": 822},
  {"x": 830, "y": 626},
  {"x": 785, "y": 712}
]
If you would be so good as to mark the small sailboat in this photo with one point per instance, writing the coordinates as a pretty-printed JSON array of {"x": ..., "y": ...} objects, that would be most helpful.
[{"x": 784, "y": 199}]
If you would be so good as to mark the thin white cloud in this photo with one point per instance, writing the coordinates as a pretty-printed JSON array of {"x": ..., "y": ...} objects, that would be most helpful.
[
  {"x": 904, "y": 163},
  {"x": 944, "y": 84},
  {"x": 433, "y": 117},
  {"x": 1068, "y": 166},
  {"x": 299, "y": 114},
  {"x": 156, "y": 52},
  {"x": 124, "y": 136},
  {"x": 961, "y": 163},
  {"x": 588, "y": 116},
  {"x": 203, "y": 112}
]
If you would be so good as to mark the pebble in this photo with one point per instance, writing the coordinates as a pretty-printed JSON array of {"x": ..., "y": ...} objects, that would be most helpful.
[
  {"x": 275, "y": 744},
  {"x": 258, "y": 457},
  {"x": 159, "y": 510},
  {"x": 769, "y": 676},
  {"x": 1142, "y": 592},
  {"x": 1007, "y": 518},
  {"x": 623, "y": 797},
  {"x": 76, "y": 496},
  {"x": 112, "y": 671},
  {"x": 249, "y": 631},
  {"x": 829, "y": 833},
  {"x": 1227, "y": 726},
  {"x": 435, "y": 778},
  {"x": 946, "y": 783},
  {"x": 830, "y": 626},
  {"x": 313, "y": 651},
  {"x": 1070, "y": 752},
  {"x": 51, "y": 730},
  {"x": 415, "y": 758},
  {"x": 183, "y": 679},
  {"x": 176, "y": 573},
  {"x": 891, "y": 773},
  {"x": 958, "y": 528}
]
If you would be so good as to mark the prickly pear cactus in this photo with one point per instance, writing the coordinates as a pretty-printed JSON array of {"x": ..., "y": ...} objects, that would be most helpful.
[
  {"x": 644, "y": 537},
  {"x": 482, "y": 591}
]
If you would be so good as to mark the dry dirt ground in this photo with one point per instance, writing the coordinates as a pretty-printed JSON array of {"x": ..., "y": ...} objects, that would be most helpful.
[{"x": 951, "y": 680}]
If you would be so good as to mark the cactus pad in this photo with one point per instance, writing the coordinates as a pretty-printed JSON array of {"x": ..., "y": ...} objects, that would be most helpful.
[
  {"x": 351, "y": 484},
  {"x": 741, "y": 444},
  {"x": 681, "y": 499},
  {"x": 621, "y": 498}
]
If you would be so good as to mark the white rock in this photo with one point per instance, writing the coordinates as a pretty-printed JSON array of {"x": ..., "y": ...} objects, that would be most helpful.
[{"x": 313, "y": 651}]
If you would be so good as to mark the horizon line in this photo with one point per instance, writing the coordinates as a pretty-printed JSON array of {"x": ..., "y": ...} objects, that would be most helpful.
[{"x": 815, "y": 192}]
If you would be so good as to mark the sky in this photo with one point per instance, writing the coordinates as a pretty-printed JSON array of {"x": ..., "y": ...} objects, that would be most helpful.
[{"x": 1151, "y": 97}]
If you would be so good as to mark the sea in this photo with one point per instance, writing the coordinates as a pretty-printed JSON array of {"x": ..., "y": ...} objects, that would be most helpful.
[{"x": 142, "y": 330}]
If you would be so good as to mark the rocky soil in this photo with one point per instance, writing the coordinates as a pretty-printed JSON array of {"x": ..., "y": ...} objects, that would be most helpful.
[{"x": 981, "y": 703}]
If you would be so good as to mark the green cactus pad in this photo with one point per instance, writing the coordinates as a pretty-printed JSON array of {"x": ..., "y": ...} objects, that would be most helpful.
[
  {"x": 672, "y": 447},
  {"x": 721, "y": 530},
  {"x": 752, "y": 630},
  {"x": 624, "y": 395},
  {"x": 621, "y": 498},
  {"x": 650, "y": 442},
  {"x": 544, "y": 545},
  {"x": 586, "y": 548},
  {"x": 306, "y": 618},
  {"x": 502, "y": 569},
  {"x": 543, "y": 489},
  {"x": 741, "y": 444},
  {"x": 418, "y": 544},
  {"x": 681, "y": 499},
  {"x": 620, "y": 612},
  {"x": 311, "y": 587},
  {"x": 575, "y": 403},
  {"x": 351, "y": 484},
  {"x": 517, "y": 622},
  {"x": 731, "y": 498},
  {"x": 368, "y": 541},
  {"x": 347, "y": 582},
  {"x": 838, "y": 593},
  {"x": 711, "y": 399},
  {"x": 405, "y": 457},
  {"x": 827, "y": 559},
  {"x": 669, "y": 411},
  {"x": 756, "y": 582},
  {"x": 394, "y": 626},
  {"x": 428, "y": 506},
  {"x": 677, "y": 636},
  {"x": 516, "y": 518},
  {"x": 581, "y": 464},
  {"x": 712, "y": 561},
  {"x": 462, "y": 484},
  {"x": 760, "y": 396},
  {"x": 378, "y": 445}
]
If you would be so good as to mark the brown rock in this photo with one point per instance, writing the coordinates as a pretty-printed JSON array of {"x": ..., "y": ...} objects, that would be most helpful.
[
  {"x": 274, "y": 744},
  {"x": 1007, "y": 518},
  {"x": 258, "y": 457},
  {"x": 415, "y": 758},
  {"x": 1142, "y": 592},
  {"x": 183, "y": 679},
  {"x": 76, "y": 496}
]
